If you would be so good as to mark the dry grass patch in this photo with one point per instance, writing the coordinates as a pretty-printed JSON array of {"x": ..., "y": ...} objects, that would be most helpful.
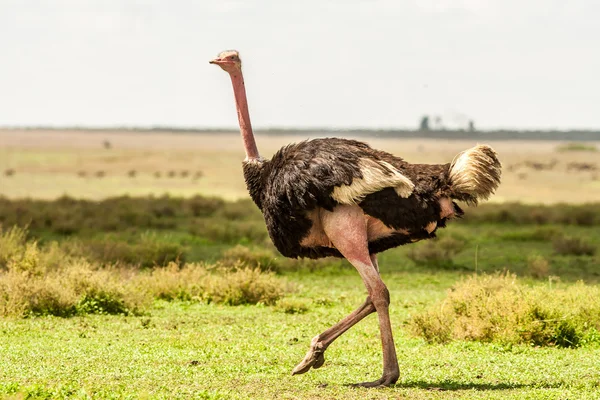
[
  {"x": 266, "y": 259},
  {"x": 197, "y": 282},
  {"x": 47, "y": 280},
  {"x": 78, "y": 287},
  {"x": 538, "y": 266},
  {"x": 576, "y": 146},
  {"x": 498, "y": 308},
  {"x": 11, "y": 244}
]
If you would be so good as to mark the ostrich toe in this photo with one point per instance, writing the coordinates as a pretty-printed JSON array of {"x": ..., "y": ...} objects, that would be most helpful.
[
  {"x": 315, "y": 358},
  {"x": 384, "y": 381}
]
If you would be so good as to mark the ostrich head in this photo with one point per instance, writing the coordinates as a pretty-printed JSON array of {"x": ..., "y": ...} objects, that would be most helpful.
[{"x": 229, "y": 61}]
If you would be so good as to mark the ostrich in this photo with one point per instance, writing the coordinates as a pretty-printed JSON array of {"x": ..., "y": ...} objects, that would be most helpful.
[{"x": 342, "y": 198}]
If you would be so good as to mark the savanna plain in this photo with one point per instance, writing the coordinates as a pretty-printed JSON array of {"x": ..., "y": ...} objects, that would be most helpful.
[{"x": 133, "y": 265}]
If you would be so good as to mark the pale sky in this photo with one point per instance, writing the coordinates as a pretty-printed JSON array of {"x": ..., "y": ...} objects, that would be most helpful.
[{"x": 310, "y": 63}]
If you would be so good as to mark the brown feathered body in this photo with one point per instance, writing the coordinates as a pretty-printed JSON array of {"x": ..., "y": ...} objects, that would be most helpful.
[{"x": 402, "y": 202}]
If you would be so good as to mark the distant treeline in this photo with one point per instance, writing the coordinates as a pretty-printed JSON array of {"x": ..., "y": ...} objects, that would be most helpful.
[{"x": 504, "y": 134}]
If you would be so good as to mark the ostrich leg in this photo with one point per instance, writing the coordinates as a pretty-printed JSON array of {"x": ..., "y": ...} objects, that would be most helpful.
[
  {"x": 315, "y": 356},
  {"x": 347, "y": 230}
]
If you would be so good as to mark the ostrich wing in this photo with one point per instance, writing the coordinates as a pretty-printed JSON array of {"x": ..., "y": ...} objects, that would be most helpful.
[{"x": 326, "y": 172}]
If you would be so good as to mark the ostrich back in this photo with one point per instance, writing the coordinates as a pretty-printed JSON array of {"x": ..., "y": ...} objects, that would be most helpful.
[{"x": 319, "y": 174}]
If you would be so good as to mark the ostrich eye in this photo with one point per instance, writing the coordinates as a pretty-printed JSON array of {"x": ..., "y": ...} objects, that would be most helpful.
[{"x": 232, "y": 57}]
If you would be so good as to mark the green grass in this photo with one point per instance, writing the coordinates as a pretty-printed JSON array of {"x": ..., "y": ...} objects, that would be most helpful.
[
  {"x": 184, "y": 350},
  {"x": 191, "y": 348}
]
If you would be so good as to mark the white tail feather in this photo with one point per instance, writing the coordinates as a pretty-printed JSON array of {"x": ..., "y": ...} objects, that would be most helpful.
[{"x": 475, "y": 174}]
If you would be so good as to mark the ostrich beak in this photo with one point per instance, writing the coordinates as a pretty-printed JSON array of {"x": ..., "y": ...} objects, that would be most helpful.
[{"x": 215, "y": 61}]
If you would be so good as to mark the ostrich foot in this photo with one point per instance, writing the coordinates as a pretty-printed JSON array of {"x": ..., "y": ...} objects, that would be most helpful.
[
  {"x": 313, "y": 359},
  {"x": 384, "y": 381}
]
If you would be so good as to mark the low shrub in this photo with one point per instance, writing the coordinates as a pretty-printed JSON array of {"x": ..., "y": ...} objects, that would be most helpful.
[
  {"x": 292, "y": 306},
  {"x": 497, "y": 308},
  {"x": 46, "y": 280},
  {"x": 148, "y": 250},
  {"x": 204, "y": 206},
  {"x": 231, "y": 232},
  {"x": 18, "y": 254},
  {"x": 239, "y": 210},
  {"x": 438, "y": 253},
  {"x": 22, "y": 295},
  {"x": 244, "y": 286},
  {"x": 196, "y": 282},
  {"x": 538, "y": 266},
  {"x": 312, "y": 265},
  {"x": 573, "y": 246},
  {"x": 267, "y": 259},
  {"x": 539, "y": 233},
  {"x": 323, "y": 301},
  {"x": 12, "y": 242},
  {"x": 66, "y": 216},
  {"x": 77, "y": 287},
  {"x": 260, "y": 258}
]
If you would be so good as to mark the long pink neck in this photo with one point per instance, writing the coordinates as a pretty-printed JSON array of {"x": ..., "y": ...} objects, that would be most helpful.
[{"x": 241, "y": 104}]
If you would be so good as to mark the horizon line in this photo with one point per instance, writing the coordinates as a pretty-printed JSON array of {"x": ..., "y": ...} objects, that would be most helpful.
[{"x": 159, "y": 127}]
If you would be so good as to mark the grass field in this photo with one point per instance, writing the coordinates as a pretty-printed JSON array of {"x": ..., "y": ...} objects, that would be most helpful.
[
  {"x": 186, "y": 350},
  {"x": 48, "y": 164},
  {"x": 185, "y": 342}
]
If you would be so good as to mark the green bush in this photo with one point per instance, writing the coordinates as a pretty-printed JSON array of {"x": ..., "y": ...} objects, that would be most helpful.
[
  {"x": 204, "y": 206},
  {"x": 438, "y": 253},
  {"x": 227, "y": 222},
  {"x": 101, "y": 302},
  {"x": 292, "y": 306},
  {"x": 239, "y": 210},
  {"x": 147, "y": 251},
  {"x": 232, "y": 232},
  {"x": 66, "y": 216},
  {"x": 539, "y": 233},
  {"x": 573, "y": 246}
]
